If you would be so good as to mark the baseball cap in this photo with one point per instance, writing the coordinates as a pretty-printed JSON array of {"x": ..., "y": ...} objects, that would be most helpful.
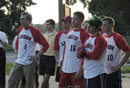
[
  {"x": 95, "y": 21},
  {"x": 67, "y": 18}
]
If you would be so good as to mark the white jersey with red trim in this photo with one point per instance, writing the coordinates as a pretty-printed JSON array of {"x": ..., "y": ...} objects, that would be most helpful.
[
  {"x": 74, "y": 39},
  {"x": 59, "y": 43},
  {"x": 116, "y": 44},
  {"x": 26, "y": 44},
  {"x": 94, "y": 61}
]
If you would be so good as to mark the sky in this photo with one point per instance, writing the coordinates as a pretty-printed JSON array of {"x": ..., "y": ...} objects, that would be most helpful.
[{"x": 48, "y": 9}]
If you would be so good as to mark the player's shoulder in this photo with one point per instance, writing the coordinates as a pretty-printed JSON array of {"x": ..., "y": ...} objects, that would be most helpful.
[
  {"x": 84, "y": 31},
  {"x": 116, "y": 34},
  {"x": 1, "y": 32},
  {"x": 101, "y": 37},
  {"x": 61, "y": 32}
]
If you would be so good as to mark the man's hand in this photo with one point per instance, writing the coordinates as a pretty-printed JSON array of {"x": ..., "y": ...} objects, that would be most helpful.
[
  {"x": 115, "y": 68},
  {"x": 16, "y": 56},
  {"x": 38, "y": 63},
  {"x": 81, "y": 52},
  {"x": 32, "y": 58},
  {"x": 78, "y": 75}
]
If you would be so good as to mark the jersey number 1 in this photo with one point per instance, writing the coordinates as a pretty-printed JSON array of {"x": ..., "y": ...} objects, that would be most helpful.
[{"x": 25, "y": 46}]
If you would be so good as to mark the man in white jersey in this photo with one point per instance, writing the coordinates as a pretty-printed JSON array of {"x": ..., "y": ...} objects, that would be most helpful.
[
  {"x": 94, "y": 53},
  {"x": 3, "y": 43},
  {"x": 23, "y": 83},
  {"x": 72, "y": 68},
  {"x": 114, "y": 60},
  {"x": 59, "y": 43},
  {"x": 25, "y": 58}
]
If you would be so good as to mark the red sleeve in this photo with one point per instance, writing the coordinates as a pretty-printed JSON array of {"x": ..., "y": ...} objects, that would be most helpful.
[
  {"x": 100, "y": 46},
  {"x": 19, "y": 30},
  {"x": 56, "y": 41},
  {"x": 83, "y": 35},
  {"x": 39, "y": 38},
  {"x": 120, "y": 42}
]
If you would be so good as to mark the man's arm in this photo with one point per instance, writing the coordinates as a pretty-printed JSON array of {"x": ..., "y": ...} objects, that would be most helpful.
[
  {"x": 125, "y": 58},
  {"x": 3, "y": 43},
  {"x": 79, "y": 73},
  {"x": 56, "y": 53},
  {"x": 16, "y": 54},
  {"x": 36, "y": 56}
]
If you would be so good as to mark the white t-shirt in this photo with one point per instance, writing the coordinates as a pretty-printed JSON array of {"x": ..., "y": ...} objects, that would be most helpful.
[
  {"x": 26, "y": 44},
  {"x": 116, "y": 44},
  {"x": 59, "y": 43},
  {"x": 3, "y": 38},
  {"x": 94, "y": 61},
  {"x": 74, "y": 39}
]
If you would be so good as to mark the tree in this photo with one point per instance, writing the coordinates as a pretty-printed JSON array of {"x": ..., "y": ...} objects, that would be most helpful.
[
  {"x": 117, "y": 9},
  {"x": 10, "y": 11}
]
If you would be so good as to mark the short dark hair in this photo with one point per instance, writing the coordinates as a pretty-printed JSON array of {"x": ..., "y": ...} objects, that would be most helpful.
[
  {"x": 103, "y": 16},
  {"x": 51, "y": 21},
  {"x": 110, "y": 20},
  {"x": 29, "y": 16},
  {"x": 80, "y": 15}
]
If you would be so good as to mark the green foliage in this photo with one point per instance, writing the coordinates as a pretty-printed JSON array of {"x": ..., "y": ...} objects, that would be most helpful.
[
  {"x": 10, "y": 11},
  {"x": 127, "y": 38},
  {"x": 8, "y": 68},
  {"x": 43, "y": 29},
  {"x": 117, "y": 9},
  {"x": 125, "y": 69}
]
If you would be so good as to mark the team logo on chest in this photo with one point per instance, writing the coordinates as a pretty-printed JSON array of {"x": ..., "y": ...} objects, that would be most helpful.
[
  {"x": 110, "y": 47},
  {"x": 72, "y": 37},
  {"x": 25, "y": 37},
  {"x": 88, "y": 45}
]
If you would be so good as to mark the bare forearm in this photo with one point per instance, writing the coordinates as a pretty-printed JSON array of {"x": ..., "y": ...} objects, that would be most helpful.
[
  {"x": 4, "y": 43},
  {"x": 56, "y": 53},
  {"x": 39, "y": 53},
  {"x": 126, "y": 57}
]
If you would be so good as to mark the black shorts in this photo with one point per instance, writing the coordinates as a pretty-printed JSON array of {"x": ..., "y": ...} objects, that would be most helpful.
[
  {"x": 57, "y": 79},
  {"x": 47, "y": 65},
  {"x": 114, "y": 80},
  {"x": 96, "y": 82}
]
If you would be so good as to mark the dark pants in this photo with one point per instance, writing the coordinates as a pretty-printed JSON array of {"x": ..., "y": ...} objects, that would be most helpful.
[
  {"x": 2, "y": 67},
  {"x": 36, "y": 75},
  {"x": 99, "y": 81},
  {"x": 114, "y": 80}
]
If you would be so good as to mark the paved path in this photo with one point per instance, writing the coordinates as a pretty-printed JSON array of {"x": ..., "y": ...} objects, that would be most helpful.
[{"x": 53, "y": 84}]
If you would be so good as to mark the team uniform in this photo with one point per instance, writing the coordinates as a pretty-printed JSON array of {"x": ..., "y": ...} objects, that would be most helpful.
[
  {"x": 71, "y": 63},
  {"x": 47, "y": 60},
  {"x": 116, "y": 44},
  {"x": 59, "y": 43},
  {"x": 2, "y": 59},
  {"x": 26, "y": 46},
  {"x": 94, "y": 62}
]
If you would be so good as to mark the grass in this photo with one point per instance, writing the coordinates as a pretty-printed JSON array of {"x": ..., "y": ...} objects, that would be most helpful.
[
  {"x": 9, "y": 48},
  {"x": 125, "y": 69},
  {"x": 8, "y": 68}
]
